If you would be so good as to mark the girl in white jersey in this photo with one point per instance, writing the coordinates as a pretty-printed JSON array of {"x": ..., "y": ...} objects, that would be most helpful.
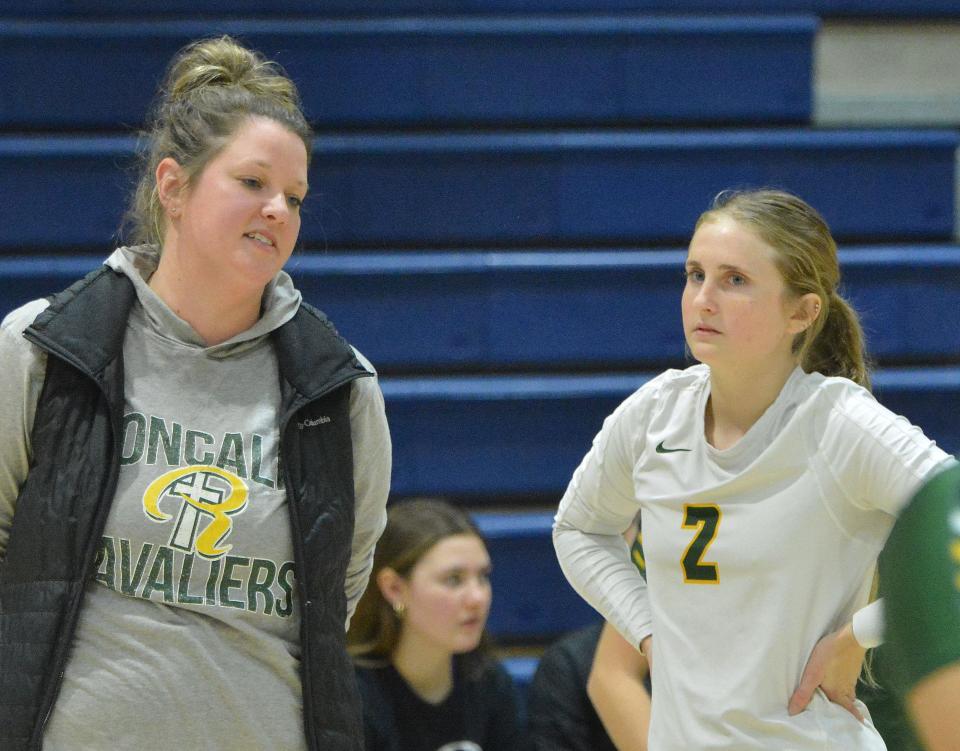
[{"x": 768, "y": 478}]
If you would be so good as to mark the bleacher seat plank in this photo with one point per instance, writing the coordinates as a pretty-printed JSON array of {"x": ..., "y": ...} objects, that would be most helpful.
[
  {"x": 591, "y": 187},
  {"x": 476, "y": 436},
  {"x": 557, "y": 189},
  {"x": 434, "y": 72},
  {"x": 423, "y": 312},
  {"x": 532, "y": 599},
  {"x": 575, "y": 310},
  {"x": 179, "y": 8}
]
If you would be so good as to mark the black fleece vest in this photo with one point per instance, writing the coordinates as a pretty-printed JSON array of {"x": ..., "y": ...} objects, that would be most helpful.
[{"x": 64, "y": 503}]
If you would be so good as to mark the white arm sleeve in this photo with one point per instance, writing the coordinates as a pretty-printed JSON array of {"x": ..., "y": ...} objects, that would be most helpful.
[
  {"x": 598, "y": 506},
  {"x": 599, "y": 569},
  {"x": 880, "y": 460},
  {"x": 372, "y": 458},
  {"x": 868, "y": 625},
  {"x": 878, "y": 457}
]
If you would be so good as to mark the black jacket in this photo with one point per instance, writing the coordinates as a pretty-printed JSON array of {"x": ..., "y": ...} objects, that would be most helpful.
[
  {"x": 560, "y": 716},
  {"x": 64, "y": 502}
]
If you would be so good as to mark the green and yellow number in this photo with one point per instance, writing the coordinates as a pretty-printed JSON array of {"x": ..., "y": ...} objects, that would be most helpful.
[{"x": 705, "y": 519}]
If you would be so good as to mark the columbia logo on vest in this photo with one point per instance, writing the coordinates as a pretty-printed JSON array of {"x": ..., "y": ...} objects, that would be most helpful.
[{"x": 323, "y": 419}]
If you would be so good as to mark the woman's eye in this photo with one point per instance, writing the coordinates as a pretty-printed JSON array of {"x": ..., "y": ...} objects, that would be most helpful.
[
  {"x": 250, "y": 182},
  {"x": 736, "y": 280},
  {"x": 695, "y": 275},
  {"x": 454, "y": 580},
  {"x": 295, "y": 201}
]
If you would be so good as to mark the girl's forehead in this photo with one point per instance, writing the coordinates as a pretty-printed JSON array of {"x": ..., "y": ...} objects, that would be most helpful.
[
  {"x": 460, "y": 549},
  {"x": 723, "y": 241}
]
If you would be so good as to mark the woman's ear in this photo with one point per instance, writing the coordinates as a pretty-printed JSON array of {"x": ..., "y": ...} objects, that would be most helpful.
[
  {"x": 806, "y": 310},
  {"x": 392, "y": 586},
  {"x": 171, "y": 185}
]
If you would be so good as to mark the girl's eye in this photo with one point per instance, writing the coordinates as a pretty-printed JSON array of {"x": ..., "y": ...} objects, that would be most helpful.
[
  {"x": 694, "y": 275},
  {"x": 454, "y": 580},
  {"x": 295, "y": 202},
  {"x": 736, "y": 280},
  {"x": 250, "y": 182}
]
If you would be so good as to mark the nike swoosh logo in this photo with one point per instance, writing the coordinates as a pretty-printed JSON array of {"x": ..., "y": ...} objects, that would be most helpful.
[{"x": 661, "y": 449}]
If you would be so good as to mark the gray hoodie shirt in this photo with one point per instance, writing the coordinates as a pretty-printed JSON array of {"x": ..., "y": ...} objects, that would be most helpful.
[{"x": 189, "y": 636}]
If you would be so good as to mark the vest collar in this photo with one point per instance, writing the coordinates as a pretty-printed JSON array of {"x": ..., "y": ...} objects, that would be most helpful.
[{"x": 86, "y": 324}]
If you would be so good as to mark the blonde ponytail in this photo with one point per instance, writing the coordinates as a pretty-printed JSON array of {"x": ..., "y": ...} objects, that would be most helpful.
[{"x": 837, "y": 348}]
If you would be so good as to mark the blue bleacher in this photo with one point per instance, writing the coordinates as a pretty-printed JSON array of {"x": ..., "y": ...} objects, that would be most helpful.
[
  {"x": 521, "y": 669},
  {"x": 575, "y": 310},
  {"x": 270, "y": 8},
  {"x": 586, "y": 309},
  {"x": 590, "y": 187},
  {"x": 565, "y": 188},
  {"x": 535, "y": 601},
  {"x": 482, "y": 437},
  {"x": 435, "y": 71}
]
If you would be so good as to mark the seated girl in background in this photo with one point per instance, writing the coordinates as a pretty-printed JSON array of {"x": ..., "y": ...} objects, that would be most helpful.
[{"x": 426, "y": 677}]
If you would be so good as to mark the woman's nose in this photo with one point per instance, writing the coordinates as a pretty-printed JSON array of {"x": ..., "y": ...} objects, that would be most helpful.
[{"x": 276, "y": 208}]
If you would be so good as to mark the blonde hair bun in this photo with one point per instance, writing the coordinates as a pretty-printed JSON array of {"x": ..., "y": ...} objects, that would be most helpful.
[{"x": 223, "y": 61}]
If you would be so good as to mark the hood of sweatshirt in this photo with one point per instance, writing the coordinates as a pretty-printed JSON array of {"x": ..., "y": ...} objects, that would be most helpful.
[{"x": 281, "y": 301}]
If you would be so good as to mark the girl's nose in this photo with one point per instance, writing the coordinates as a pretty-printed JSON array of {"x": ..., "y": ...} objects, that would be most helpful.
[
  {"x": 478, "y": 592},
  {"x": 705, "y": 299}
]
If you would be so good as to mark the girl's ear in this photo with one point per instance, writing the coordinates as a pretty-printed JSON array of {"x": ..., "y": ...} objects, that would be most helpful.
[
  {"x": 171, "y": 185},
  {"x": 392, "y": 586},
  {"x": 807, "y": 309}
]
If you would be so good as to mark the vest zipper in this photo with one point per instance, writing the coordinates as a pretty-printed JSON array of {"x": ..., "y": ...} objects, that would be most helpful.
[{"x": 306, "y": 688}]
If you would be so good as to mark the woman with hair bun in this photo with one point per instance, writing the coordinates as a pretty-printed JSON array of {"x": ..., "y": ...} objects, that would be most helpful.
[
  {"x": 768, "y": 478},
  {"x": 427, "y": 678},
  {"x": 195, "y": 465}
]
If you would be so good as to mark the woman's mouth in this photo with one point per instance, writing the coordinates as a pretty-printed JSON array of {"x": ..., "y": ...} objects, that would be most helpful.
[{"x": 261, "y": 238}]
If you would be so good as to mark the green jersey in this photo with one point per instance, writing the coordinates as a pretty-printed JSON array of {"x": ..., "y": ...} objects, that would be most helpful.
[{"x": 920, "y": 581}]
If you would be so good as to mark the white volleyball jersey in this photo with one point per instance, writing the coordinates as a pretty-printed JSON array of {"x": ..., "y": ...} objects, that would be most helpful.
[{"x": 753, "y": 553}]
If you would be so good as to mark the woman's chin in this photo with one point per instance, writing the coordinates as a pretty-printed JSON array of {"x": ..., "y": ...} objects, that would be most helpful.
[{"x": 468, "y": 643}]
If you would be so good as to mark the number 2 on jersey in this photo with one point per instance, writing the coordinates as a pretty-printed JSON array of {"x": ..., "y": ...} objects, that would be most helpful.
[{"x": 705, "y": 518}]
